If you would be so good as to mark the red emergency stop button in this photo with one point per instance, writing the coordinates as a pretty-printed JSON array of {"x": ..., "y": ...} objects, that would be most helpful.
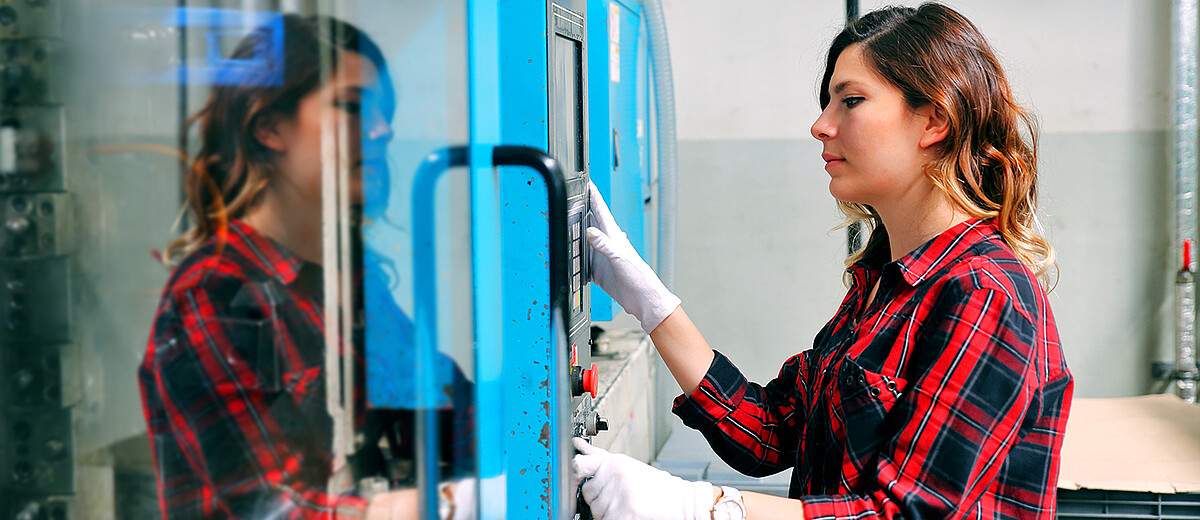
[{"x": 591, "y": 380}]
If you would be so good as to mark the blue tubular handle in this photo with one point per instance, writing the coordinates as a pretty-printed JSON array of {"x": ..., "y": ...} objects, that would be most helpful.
[
  {"x": 425, "y": 319},
  {"x": 425, "y": 299}
]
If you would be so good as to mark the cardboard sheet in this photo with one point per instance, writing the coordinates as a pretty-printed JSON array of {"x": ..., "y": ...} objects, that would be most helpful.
[{"x": 1149, "y": 443}]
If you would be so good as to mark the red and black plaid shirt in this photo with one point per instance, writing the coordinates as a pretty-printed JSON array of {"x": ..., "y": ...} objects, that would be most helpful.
[
  {"x": 947, "y": 399},
  {"x": 233, "y": 389}
]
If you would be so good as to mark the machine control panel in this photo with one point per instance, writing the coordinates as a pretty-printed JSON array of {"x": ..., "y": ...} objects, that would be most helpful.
[{"x": 568, "y": 126}]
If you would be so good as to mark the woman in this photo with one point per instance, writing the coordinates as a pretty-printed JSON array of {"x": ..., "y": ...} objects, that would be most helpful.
[
  {"x": 938, "y": 389},
  {"x": 233, "y": 379}
]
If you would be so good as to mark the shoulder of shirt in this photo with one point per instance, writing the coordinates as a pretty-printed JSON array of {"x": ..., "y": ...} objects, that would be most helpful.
[
  {"x": 216, "y": 274},
  {"x": 990, "y": 265},
  {"x": 213, "y": 270}
]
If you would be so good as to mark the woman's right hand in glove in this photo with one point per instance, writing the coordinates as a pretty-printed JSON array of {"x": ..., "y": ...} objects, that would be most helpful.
[{"x": 618, "y": 269}]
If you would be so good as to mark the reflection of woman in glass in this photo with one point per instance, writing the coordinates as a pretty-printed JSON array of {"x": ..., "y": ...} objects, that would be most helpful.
[{"x": 232, "y": 381}]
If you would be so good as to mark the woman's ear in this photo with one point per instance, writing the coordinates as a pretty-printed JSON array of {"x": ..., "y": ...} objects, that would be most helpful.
[
  {"x": 267, "y": 132},
  {"x": 937, "y": 125}
]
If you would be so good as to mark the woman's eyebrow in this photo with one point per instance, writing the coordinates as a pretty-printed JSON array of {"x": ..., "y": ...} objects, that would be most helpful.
[
  {"x": 837, "y": 89},
  {"x": 352, "y": 89}
]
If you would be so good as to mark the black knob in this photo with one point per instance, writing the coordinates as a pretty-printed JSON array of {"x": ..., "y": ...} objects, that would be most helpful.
[{"x": 576, "y": 381}]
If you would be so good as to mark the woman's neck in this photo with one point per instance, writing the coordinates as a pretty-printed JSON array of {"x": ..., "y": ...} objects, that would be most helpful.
[
  {"x": 912, "y": 223},
  {"x": 297, "y": 231}
]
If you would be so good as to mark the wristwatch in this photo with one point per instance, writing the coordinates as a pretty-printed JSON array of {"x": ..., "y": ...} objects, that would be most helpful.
[{"x": 730, "y": 506}]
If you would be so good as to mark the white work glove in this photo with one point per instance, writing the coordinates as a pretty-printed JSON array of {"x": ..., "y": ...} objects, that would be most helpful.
[
  {"x": 618, "y": 269},
  {"x": 623, "y": 488}
]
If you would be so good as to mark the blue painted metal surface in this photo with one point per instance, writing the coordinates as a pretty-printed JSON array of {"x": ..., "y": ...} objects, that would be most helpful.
[
  {"x": 599, "y": 117},
  {"x": 618, "y": 113},
  {"x": 524, "y": 245},
  {"x": 552, "y": 394},
  {"x": 629, "y": 119}
]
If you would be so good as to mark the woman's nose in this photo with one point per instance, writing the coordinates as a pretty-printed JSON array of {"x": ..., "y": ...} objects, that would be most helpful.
[{"x": 823, "y": 129}]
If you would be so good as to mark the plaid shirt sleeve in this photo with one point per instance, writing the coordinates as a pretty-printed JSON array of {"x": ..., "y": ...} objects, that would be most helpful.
[
  {"x": 757, "y": 426},
  {"x": 981, "y": 390},
  {"x": 228, "y": 442}
]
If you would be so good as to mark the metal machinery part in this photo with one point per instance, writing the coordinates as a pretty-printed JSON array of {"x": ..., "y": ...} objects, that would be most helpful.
[
  {"x": 1185, "y": 45},
  {"x": 567, "y": 78},
  {"x": 36, "y": 438},
  {"x": 1184, "y": 373},
  {"x": 568, "y": 123},
  {"x": 567, "y": 58}
]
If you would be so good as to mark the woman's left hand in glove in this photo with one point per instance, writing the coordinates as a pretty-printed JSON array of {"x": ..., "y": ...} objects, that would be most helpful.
[{"x": 621, "y": 487}]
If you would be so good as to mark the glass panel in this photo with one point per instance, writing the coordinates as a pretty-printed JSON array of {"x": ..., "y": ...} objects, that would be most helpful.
[
  {"x": 207, "y": 246},
  {"x": 425, "y": 45}
]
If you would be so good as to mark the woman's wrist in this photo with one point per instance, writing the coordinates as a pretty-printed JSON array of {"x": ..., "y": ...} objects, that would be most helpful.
[
  {"x": 683, "y": 349},
  {"x": 769, "y": 507}
]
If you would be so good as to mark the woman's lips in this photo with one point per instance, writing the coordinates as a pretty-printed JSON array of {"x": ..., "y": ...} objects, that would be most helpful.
[{"x": 831, "y": 160}]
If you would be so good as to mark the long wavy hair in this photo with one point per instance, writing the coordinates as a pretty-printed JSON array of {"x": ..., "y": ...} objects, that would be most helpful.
[
  {"x": 232, "y": 168},
  {"x": 986, "y": 165}
]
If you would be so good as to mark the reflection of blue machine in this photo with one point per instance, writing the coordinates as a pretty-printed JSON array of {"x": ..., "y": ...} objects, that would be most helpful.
[
  {"x": 146, "y": 33},
  {"x": 570, "y": 78}
]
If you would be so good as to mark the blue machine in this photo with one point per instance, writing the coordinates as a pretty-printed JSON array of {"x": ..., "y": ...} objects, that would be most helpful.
[
  {"x": 558, "y": 94},
  {"x": 145, "y": 32}
]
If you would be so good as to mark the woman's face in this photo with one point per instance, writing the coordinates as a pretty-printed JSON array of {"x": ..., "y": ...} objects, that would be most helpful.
[
  {"x": 345, "y": 107},
  {"x": 875, "y": 145}
]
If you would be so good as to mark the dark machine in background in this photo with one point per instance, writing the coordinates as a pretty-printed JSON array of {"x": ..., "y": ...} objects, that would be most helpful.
[{"x": 36, "y": 438}]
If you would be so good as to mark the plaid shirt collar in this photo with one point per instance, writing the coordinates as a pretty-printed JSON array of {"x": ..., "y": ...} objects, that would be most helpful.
[
  {"x": 263, "y": 252},
  {"x": 928, "y": 258}
]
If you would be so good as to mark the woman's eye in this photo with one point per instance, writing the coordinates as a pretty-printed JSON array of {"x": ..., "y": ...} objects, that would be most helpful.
[
  {"x": 852, "y": 101},
  {"x": 351, "y": 107}
]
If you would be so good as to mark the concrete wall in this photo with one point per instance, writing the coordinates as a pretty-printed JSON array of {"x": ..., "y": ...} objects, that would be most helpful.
[{"x": 759, "y": 270}]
